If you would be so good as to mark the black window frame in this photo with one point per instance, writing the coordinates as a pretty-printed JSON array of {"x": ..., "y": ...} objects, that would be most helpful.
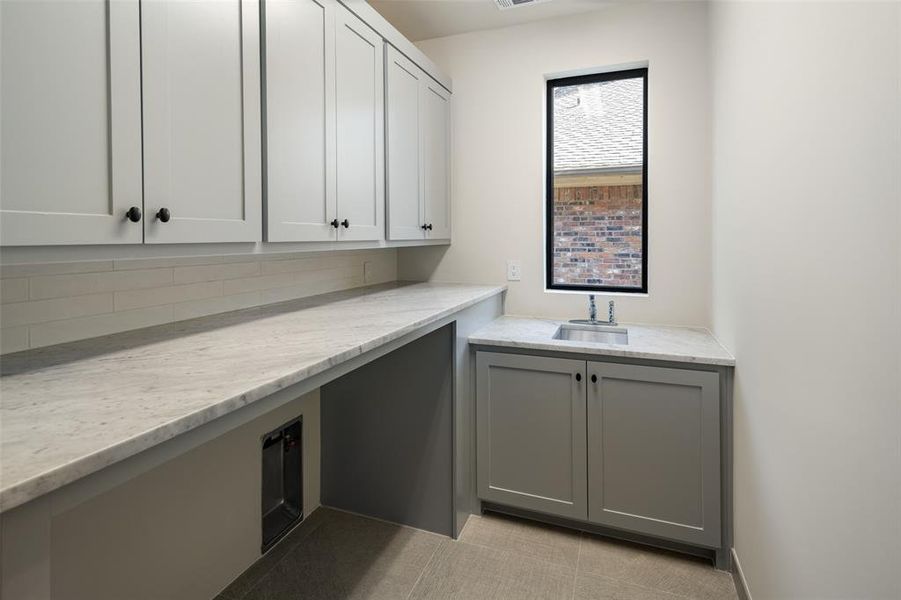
[{"x": 549, "y": 191}]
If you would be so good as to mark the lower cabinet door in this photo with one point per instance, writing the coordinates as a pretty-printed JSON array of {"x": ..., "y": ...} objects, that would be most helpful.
[
  {"x": 654, "y": 451},
  {"x": 531, "y": 433}
]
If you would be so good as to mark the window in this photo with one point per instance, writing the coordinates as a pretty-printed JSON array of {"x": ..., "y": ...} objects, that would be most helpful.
[{"x": 597, "y": 197}]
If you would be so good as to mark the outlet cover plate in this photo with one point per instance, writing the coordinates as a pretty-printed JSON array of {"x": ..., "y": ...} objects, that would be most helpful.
[{"x": 514, "y": 270}]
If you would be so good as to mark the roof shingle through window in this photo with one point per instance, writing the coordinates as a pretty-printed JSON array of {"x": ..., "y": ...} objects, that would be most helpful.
[{"x": 598, "y": 126}]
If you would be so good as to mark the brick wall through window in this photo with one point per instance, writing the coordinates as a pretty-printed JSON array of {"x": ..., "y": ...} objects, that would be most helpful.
[{"x": 597, "y": 235}]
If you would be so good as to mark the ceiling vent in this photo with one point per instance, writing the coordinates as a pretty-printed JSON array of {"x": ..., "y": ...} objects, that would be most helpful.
[{"x": 505, "y": 4}]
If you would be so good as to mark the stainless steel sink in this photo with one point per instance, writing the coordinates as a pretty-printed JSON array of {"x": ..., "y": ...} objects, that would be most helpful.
[{"x": 599, "y": 334}]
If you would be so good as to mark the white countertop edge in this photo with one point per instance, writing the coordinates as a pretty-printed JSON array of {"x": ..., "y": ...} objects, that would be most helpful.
[
  {"x": 493, "y": 335},
  {"x": 48, "y": 481}
]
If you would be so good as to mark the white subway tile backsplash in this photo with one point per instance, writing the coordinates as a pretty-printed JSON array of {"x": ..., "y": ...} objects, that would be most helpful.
[
  {"x": 34, "y": 270},
  {"x": 13, "y": 339},
  {"x": 308, "y": 264},
  {"x": 58, "y": 332},
  {"x": 13, "y": 290},
  {"x": 52, "y": 303},
  {"x": 167, "y": 295},
  {"x": 39, "y": 311},
  {"x": 294, "y": 292},
  {"x": 266, "y": 282},
  {"x": 215, "y": 272},
  {"x": 58, "y": 286},
  {"x": 211, "y": 306},
  {"x": 128, "y": 264}
]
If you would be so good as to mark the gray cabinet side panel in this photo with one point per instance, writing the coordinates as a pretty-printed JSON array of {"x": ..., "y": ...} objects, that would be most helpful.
[
  {"x": 467, "y": 321},
  {"x": 387, "y": 436},
  {"x": 654, "y": 451}
]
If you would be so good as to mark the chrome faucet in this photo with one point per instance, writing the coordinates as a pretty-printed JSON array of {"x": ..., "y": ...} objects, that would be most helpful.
[{"x": 593, "y": 314}]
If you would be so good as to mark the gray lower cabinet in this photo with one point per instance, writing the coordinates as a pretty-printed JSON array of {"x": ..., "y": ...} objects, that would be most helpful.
[
  {"x": 531, "y": 433},
  {"x": 654, "y": 451},
  {"x": 632, "y": 447}
]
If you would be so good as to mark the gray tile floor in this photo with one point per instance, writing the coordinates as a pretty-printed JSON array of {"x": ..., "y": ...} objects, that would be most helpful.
[{"x": 335, "y": 555}]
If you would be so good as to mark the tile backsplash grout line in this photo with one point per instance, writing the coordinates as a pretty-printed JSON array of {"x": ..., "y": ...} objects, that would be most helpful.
[{"x": 49, "y": 303}]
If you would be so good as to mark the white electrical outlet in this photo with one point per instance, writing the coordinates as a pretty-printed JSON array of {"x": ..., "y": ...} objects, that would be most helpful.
[
  {"x": 514, "y": 270},
  {"x": 367, "y": 272}
]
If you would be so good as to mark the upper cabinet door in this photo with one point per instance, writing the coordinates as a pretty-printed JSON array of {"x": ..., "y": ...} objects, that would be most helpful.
[
  {"x": 436, "y": 160},
  {"x": 299, "y": 41},
  {"x": 201, "y": 85},
  {"x": 70, "y": 144},
  {"x": 404, "y": 82},
  {"x": 359, "y": 85}
]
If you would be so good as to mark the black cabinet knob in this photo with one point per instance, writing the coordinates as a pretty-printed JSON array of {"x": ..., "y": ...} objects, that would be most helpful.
[
  {"x": 429, "y": 227},
  {"x": 134, "y": 214},
  {"x": 345, "y": 224},
  {"x": 425, "y": 226},
  {"x": 578, "y": 377},
  {"x": 164, "y": 215},
  {"x": 334, "y": 223},
  {"x": 594, "y": 379}
]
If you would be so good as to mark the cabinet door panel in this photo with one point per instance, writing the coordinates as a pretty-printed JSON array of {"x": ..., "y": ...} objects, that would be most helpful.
[
  {"x": 359, "y": 102},
  {"x": 531, "y": 433},
  {"x": 300, "y": 119},
  {"x": 436, "y": 160},
  {"x": 654, "y": 451},
  {"x": 70, "y": 144},
  {"x": 202, "y": 120},
  {"x": 403, "y": 95}
]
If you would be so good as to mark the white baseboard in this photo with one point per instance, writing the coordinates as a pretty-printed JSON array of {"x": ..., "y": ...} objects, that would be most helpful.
[{"x": 738, "y": 576}]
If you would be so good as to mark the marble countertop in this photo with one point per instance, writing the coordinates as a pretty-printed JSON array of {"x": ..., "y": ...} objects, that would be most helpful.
[
  {"x": 679, "y": 344},
  {"x": 70, "y": 410}
]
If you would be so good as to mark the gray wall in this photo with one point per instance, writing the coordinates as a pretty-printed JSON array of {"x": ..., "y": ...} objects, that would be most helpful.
[
  {"x": 387, "y": 431},
  {"x": 181, "y": 531}
]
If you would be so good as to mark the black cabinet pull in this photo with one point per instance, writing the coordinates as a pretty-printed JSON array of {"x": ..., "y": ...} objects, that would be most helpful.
[
  {"x": 594, "y": 379},
  {"x": 429, "y": 227},
  {"x": 164, "y": 215},
  {"x": 425, "y": 226},
  {"x": 578, "y": 377},
  {"x": 345, "y": 223},
  {"x": 134, "y": 214},
  {"x": 334, "y": 223}
]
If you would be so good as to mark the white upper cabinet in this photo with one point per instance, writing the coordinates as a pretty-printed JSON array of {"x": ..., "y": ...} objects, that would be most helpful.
[
  {"x": 70, "y": 141},
  {"x": 418, "y": 152},
  {"x": 436, "y": 160},
  {"x": 359, "y": 116},
  {"x": 404, "y": 82},
  {"x": 201, "y": 109},
  {"x": 176, "y": 121},
  {"x": 324, "y": 123},
  {"x": 299, "y": 38}
]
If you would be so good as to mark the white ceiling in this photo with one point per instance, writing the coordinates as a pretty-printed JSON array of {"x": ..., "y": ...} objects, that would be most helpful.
[{"x": 426, "y": 19}]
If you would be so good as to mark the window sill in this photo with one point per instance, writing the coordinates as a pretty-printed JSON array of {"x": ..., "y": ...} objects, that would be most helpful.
[{"x": 599, "y": 293}]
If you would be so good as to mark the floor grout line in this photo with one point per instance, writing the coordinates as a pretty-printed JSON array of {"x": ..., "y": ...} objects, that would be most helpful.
[
  {"x": 424, "y": 569},
  {"x": 290, "y": 547},
  {"x": 516, "y": 553},
  {"x": 387, "y": 522},
  {"x": 630, "y": 582},
  {"x": 578, "y": 560}
]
